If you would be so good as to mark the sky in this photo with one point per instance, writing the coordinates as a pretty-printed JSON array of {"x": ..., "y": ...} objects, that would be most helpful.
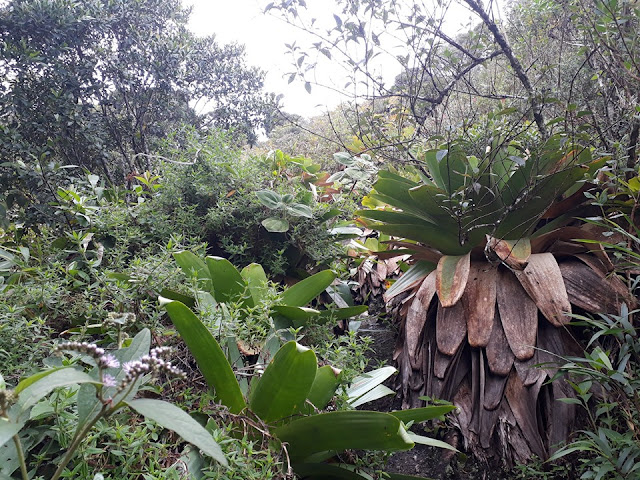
[{"x": 265, "y": 36}]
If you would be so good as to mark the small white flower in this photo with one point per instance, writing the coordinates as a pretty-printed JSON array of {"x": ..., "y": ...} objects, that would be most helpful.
[{"x": 108, "y": 380}]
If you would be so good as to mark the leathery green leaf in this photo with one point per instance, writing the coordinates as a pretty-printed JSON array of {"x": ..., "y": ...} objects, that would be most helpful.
[
  {"x": 451, "y": 278},
  {"x": 194, "y": 266},
  {"x": 298, "y": 316},
  {"x": 355, "y": 429},
  {"x": 306, "y": 290},
  {"x": 228, "y": 284},
  {"x": 433, "y": 236},
  {"x": 323, "y": 388},
  {"x": 173, "y": 418},
  {"x": 210, "y": 358},
  {"x": 253, "y": 274},
  {"x": 285, "y": 383}
]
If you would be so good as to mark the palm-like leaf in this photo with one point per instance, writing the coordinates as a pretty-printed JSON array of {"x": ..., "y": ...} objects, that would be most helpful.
[{"x": 470, "y": 328}]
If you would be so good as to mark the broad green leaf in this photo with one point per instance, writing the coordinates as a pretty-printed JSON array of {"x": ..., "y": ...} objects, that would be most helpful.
[
  {"x": 451, "y": 278},
  {"x": 253, "y": 274},
  {"x": 285, "y": 383},
  {"x": 416, "y": 273},
  {"x": 8, "y": 429},
  {"x": 324, "y": 387},
  {"x": 269, "y": 199},
  {"x": 325, "y": 471},
  {"x": 228, "y": 284},
  {"x": 275, "y": 225},
  {"x": 300, "y": 210},
  {"x": 25, "y": 382},
  {"x": 173, "y": 418},
  {"x": 41, "y": 388},
  {"x": 375, "y": 393},
  {"x": 194, "y": 266},
  {"x": 298, "y": 316},
  {"x": 367, "y": 381},
  {"x": 422, "y": 414},
  {"x": 431, "y": 442},
  {"x": 210, "y": 358},
  {"x": 343, "y": 430},
  {"x": 306, "y": 290}
]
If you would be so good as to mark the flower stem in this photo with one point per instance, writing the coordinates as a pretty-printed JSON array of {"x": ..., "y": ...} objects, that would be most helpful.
[
  {"x": 21, "y": 459},
  {"x": 76, "y": 443}
]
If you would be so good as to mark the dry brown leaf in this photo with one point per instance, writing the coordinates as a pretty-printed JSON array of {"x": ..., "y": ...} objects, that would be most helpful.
[
  {"x": 451, "y": 328},
  {"x": 479, "y": 301},
  {"x": 519, "y": 315},
  {"x": 417, "y": 314},
  {"x": 543, "y": 281},
  {"x": 499, "y": 354}
]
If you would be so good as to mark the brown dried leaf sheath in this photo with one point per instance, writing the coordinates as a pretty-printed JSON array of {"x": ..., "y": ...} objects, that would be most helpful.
[
  {"x": 543, "y": 281},
  {"x": 519, "y": 315},
  {"x": 479, "y": 301},
  {"x": 417, "y": 313},
  {"x": 451, "y": 328},
  {"x": 499, "y": 354}
]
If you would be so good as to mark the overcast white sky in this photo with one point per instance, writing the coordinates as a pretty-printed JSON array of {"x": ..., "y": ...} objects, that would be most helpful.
[{"x": 265, "y": 36}]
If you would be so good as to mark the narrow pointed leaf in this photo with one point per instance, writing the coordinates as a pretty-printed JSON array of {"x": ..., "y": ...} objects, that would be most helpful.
[
  {"x": 367, "y": 381},
  {"x": 285, "y": 384},
  {"x": 343, "y": 430},
  {"x": 174, "y": 418},
  {"x": 431, "y": 442},
  {"x": 306, "y": 290},
  {"x": 518, "y": 314},
  {"x": 451, "y": 278},
  {"x": 228, "y": 284},
  {"x": 416, "y": 273},
  {"x": 479, "y": 301},
  {"x": 543, "y": 281},
  {"x": 209, "y": 356},
  {"x": 336, "y": 314},
  {"x": 376, "y": 393}
]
